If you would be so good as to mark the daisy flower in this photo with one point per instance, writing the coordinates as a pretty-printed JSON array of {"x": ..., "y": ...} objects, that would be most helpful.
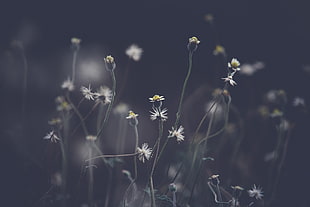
[
  {"x": 134, "y": 52},
  {"x": 87, "y": 93},
  {"x": 157, "y": 113},
  {"x": 144, "y": 153},
  {"x": 194, "y": 40},
  {"x": 256, "y": 192},
  {"x": 109, "y": 63},
  {"x": 68, "y": 84},
  {"x": 132, "y": 115},
  {"x": 230, "y": 80},
  {"x": 156, "y": 98},
  {"x": 177, "y": 133},
  {"x": 51, "y": 136}
]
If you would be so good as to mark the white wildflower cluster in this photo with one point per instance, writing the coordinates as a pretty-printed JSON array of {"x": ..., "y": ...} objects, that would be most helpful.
[
  {"x": 103, "y": 94},
  {"x": 234, "y": 66}
]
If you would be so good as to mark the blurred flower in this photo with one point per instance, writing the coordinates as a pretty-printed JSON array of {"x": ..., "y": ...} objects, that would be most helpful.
[
  {"x": 132, "y": 115},
  {"x": 87, "y": 93},
  {"x": 172, "y": 187},
  {"x": 91, "y": 138},
  {"x": 75, "y": 40},
  {"x": 250, "y": 69},
  {"x": 237, "y": 187},
  {"x": 157, "y": 98},
  {"x": 177, "y": 133},
  {"x": 62, "y": 104},
  {"x": 298, "y": 101},
  {"x": 276, "y": 113},
  {"x": 230, "y": 80},
  {"x": 214, "y": 177},
  {"x": 234, "y": 64},
  {"x": 109, "y": 63},
  {"x": 56, "y": 179},
  {"x": 144, "y": 152},
  {"x": 54, "y": 121},
  {"x": 256, "y": 192},
  {"x": 219, "y": 50},
  {"x": 104, "y": 93},
  {"x": 121, "y": 109},
  {"x": 209, "y": 18},
  {"x": 134, "y": 52},
  {"x": 157, "y": 113},
  {"x": 51, "y": 136},
  {"x": 68, "y": 84}
]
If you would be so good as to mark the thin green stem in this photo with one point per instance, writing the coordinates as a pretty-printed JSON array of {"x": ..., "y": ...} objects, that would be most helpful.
[
  {"x": 74, "y": 65},
  {"x": 136, "y": 146},
  {"x": 91, "y": 179},
  {"x": 110, "y": 156}
]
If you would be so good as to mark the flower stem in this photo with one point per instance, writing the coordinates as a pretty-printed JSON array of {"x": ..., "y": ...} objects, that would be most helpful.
[
  {"x": 110, "y": 105},
  {"x": 74, "y": 65}
]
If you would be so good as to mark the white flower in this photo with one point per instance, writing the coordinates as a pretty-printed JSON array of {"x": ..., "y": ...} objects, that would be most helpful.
[
  {"x": 75, "y": 40},
  {"x": 256, "y": 192},
  {"x": 131, "y": 115},
  {"x": 250, "y": 69},
  {"x": 157, "y": 98},
  {"x": 104, "y": 92},
  {"x": 230, "y": 80},
  {"x": 68, "y": 84},
  {"x": 91, "y": 137},
  {"x": 298, "y": 101},
  {"x": 234, "y": 64},
  {"x": 87, "y": 93},
  {"x": 134, "y": 52},
  {"x": 51, "y": 136},
  {"x": 144, "y": 152},
  {"x": 177, "y": 133},
  {"x": 157, "y": 113},
  {"x": 62, "y": 104}
]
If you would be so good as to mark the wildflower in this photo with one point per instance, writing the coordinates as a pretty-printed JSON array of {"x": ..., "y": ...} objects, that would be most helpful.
[
  {"x": 62, "y": 104},
  {"x": 214, "y": 177},
  {"x": 54, "y": 121},
  {"x": 256, "y": 192},
  {"x": 177, "y": 133},
  {"x": 219, "y": 50},
  {"x": 51, "y": 136},
  {"x": 91, "y": 138},
  {"x": 193, "y": 44},
  {"x": 131, "y": 115},
  {"x": 109, "y": 63},
  {"x": 229, "y": 79},
  {"x": 87, "y": 93},
  {"x": 298, "y": 101},
  {"x": 172, "y": 187},
  {"x": 105, "y": 93},
  {"x": 156, "y": 98},
  {"x": 250, "y": 69},
  {"x": 68, "y": 84},
  {"x": 75, "y": 43},
  {"x": 276, "y": 113},
  {"x": 209, "y": 18},
  {"x": 75, "y": 40},
  {"x": 234, "y": 64},
  {"x": 144, "y": 152},
  {"x": 157, "y": 113},
  {"x": 134, "y": 52}
]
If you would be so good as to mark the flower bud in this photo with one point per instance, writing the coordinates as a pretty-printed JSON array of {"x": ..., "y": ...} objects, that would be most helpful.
[{"x": 109, "y": 63}]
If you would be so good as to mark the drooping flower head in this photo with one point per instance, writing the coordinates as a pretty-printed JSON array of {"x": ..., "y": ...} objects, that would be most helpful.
[
  {"x": 109, "y": 63},
  {"x": 234, "y": 64},
  {"x": 132, "y": 115},
  {"x": 230, "y": 80},
  {"x": 87, "y": 93},
  {"x": 144, "y": 153},
  {"x": 193, "y": 44},
  {"x": 157, "y": 113},
  {"x": 75, "y": 43},
  {"x": 104, "y": 94}
]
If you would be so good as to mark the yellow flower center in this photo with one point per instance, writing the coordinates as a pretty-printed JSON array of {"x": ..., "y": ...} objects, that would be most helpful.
[
  {"x": 109, "y": 59},
  {"x": 194, "y": 40}
]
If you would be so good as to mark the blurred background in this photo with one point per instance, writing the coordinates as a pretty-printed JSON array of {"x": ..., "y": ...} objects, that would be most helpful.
[{"x": 275, "y": 34}]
